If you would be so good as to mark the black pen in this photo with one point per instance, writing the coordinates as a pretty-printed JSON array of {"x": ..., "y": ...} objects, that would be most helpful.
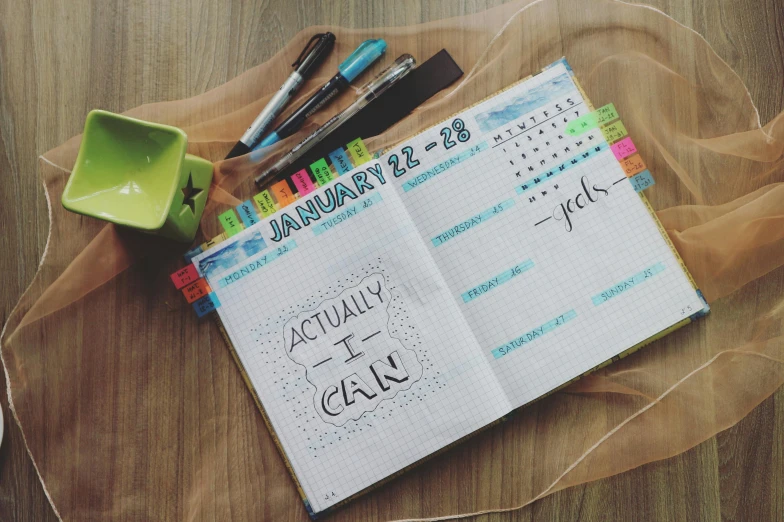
[
  {"x": 368, "y": 52},
  {"x": 309, "y": 60}
]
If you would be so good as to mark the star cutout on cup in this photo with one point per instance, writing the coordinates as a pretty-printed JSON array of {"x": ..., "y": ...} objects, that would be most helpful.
[{"x": 189, "y": 193}]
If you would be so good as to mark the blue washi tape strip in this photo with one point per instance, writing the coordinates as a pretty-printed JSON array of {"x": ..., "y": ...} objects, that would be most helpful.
[
  {"x": 247, "y": 213},
  {"x": 206, "y": 304},
  {"x": 534, "y": 334},
  {"x": 642, "y": 181},
  {"x": 346, "y": 213},
  {"x": 471, "y": 222},
  {"x": 443, "y": 166},
  {"x": 340, "y": 161},
  {"x": 497, "y": 281},
  {"x": 627, "y": 284}
]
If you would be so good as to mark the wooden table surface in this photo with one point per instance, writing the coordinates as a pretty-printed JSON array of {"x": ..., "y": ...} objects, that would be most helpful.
[{"x": 60, "y": 59}]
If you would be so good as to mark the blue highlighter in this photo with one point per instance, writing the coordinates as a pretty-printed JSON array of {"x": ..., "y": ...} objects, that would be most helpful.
[{"x": 368, "y": 52}]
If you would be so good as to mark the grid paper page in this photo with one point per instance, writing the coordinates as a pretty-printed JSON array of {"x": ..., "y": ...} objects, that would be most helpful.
[
  {"x": 351, "y": 340},
  {"x": 421, "y": 296},
  {"x": 549, "y": 253}
]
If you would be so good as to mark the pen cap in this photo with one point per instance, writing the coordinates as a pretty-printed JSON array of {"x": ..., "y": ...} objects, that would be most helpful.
[
  {"x": 368, "y": 52},
  {"x": 311, "y": 58}
]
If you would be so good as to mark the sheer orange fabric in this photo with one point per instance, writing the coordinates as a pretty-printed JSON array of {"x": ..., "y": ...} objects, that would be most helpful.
[{"x": 131, "y": 407}]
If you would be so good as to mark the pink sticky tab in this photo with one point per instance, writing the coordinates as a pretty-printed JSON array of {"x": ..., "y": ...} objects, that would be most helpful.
[
  {"x": 185, "y": 276},
  {"x": 302, "y": 182},
  {"x": 623, "y": 148}
]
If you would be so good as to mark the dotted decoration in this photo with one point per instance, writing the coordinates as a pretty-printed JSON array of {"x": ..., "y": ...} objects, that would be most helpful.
[{"x": 297, "y": 392}]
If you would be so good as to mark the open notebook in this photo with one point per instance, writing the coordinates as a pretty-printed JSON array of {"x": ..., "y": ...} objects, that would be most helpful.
[{"x": 427, "y": 293}]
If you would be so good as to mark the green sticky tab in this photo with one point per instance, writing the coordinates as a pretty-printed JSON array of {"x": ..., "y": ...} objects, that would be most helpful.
[
  {"x": 606, "y": 114},
  {"x": 264, "y": 200},
  {"x": 582, "y": 124},
  {"x": 614, "y": 131},
  {"x": 359, "y": 154},
  {"x": 321, "y": 172},
  {"x": 230, "y": 222}
]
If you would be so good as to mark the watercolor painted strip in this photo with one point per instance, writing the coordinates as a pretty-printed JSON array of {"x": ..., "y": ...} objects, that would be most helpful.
[
  {"x": 252, "y": 266},
  {"x": 232, "y": 254}
]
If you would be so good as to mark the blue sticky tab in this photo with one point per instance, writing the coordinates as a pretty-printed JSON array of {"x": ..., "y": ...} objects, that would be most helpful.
[
  {"x": 247, "y": 213},
  {"x": 206, "y": 304},
  {"x": 340, "y": 161},
  {"x": 642, "y": 181}
]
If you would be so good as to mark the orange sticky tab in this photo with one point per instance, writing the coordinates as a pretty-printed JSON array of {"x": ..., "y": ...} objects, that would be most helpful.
[
  {"x": 632, "y": 165},
  {"x": 282, "y": 193},
  {"x": 184, "y": 276},
  {"x": 196, "y": 290}
]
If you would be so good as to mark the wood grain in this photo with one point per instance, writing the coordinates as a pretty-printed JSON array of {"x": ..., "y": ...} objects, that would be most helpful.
[{"x": 60, "y": 59}]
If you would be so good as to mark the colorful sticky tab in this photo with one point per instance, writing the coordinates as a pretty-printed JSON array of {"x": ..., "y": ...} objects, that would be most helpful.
[
  {"x": 196, "y": 290},
  {"x": 359, "y": 154},
  {"x": 230, "y": 222},
  {"x": 606, "y": 114},
  {"x": 623, "y": 148},
  {"x": 614, "y": 132},
  {"x": 214, "y": 241},
  {"x": 340, "y": 161},
  {"x": 283, "y": 193},
  {"x": 184, "y": 276},
  {"x": 321, "y": 172},
  {"x": 206, "y": 304},
  {"x": 265, "y": 202},
  {"x": 302, "y": 182},
  {"x": 248, "y": 213},
  {"x": 642, "y": 181},
  {"x": 632, "y": 165}
]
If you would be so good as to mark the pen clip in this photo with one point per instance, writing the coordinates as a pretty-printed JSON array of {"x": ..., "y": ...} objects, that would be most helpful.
[{"x": 307, "y": 49}]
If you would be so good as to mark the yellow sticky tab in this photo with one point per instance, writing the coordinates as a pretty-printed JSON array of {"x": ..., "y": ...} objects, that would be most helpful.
[
  {"x": 265, "y": 202},
  {"x": 614, "y": 131},
  {"x": 214, "y": 241},
  {"x": 358, "y": 151}
]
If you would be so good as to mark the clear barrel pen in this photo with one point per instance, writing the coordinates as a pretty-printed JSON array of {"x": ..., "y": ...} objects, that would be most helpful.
[{"x": 369, "y": 92}]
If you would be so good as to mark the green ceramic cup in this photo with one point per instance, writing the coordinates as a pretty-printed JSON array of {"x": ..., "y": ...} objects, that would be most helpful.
[{"x": 137, "y": 174}]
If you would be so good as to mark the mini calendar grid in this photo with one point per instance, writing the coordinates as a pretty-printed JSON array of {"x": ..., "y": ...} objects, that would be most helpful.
[{"x": 397, "y": 308}]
